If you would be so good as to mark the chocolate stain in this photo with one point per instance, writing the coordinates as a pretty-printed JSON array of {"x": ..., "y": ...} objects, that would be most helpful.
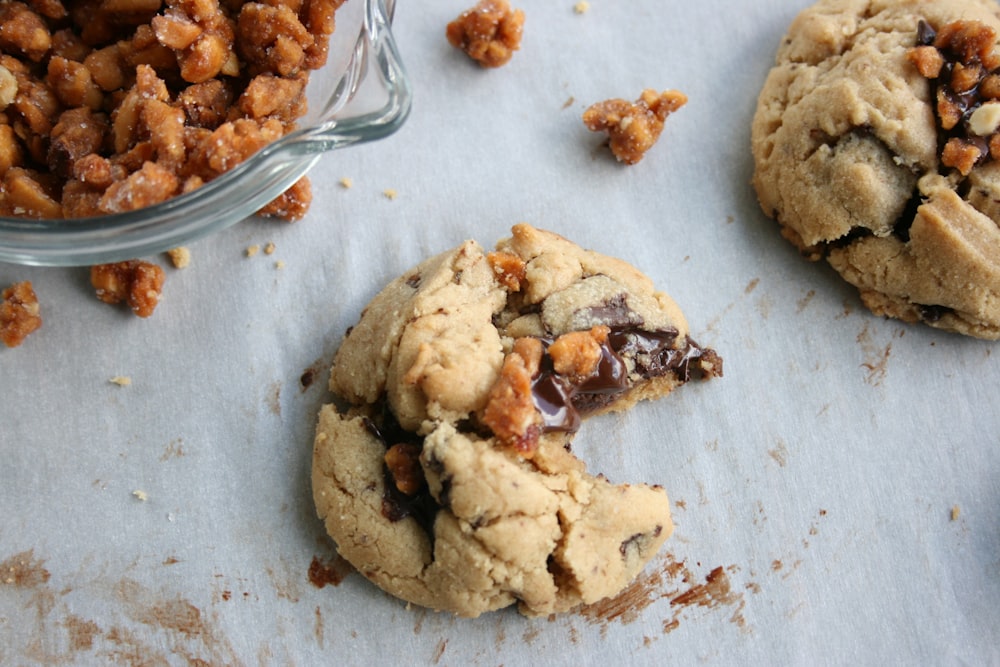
[
  {"x": 328, "y": 573},
  {"x": 674, "y": 581},
  {"x": 779, "y": 453},
  {"x": 804, "y": 301},
  {"x": 318, "y": 630},
  {"x": 876, "y": 359},
  {"x": 23, "y": 570},
  {"x": 81, "y": 633},
  {"x": 274, "y": 398},
  {"x": 173, "y": 450},
  {"x": 439, "y": 651},
  {"x": 174, "y": 626},
  {"x": 311, "y": 374}
]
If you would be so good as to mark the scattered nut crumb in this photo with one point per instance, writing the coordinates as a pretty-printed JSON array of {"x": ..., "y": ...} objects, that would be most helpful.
[
  {"x": 955, "y": 511},
  {"x": 121, "y": 380},
  {"x": 19, "y": 313},
  {"x": 347, "y": 183},
  {"x": 390, "y": 193},
  {"x": 489, "y": 33},
  {"x": 269, "y": 248},
  {"x": 252, "y": 250},
  {"x": 581, "y": 7},
  {"x": 280, "y": 264},
  {"x": 180, "y": 257},
  {"x": 141, "y": 495}
]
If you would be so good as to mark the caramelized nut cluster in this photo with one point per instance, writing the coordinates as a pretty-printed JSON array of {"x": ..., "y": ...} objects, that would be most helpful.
[
  {"x": 112, "y": 105},
  {"x": 633, "y": 127},
  {"x": 489, "y": 33},
  {"x": 19, "y": 313},
  {"x": 961, "y": 61},
  {"x": 402, "y": 461},
  {"x": 135, "y": 282}
]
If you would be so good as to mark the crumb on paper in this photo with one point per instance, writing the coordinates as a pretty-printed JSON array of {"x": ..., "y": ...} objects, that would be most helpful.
[
  {"x": 141, "y": 495},
  {"x": 581, "y": 7},
  {"x": 280, "y": 264},
  {"x": 347, "y": 182},
  {"x": 121, "y": 380},
  {"x": 390, "y": 193},
  {"x": 180, "y": 257},
  {"x": 269, "y": 248},
  {"x": 955, "y": 511},
  {"x": 252, "y": 250}
]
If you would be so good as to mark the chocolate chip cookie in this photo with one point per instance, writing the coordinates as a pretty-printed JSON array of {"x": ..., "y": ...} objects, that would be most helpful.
[
  {"x": 444, "y": 471},
  {"x": 876, "y": 147}
]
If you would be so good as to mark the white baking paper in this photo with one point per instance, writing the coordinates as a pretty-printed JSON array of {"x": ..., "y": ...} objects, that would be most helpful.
[{"x": 836, "y": 494}]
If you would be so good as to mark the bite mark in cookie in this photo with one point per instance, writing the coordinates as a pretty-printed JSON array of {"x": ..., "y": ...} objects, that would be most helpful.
[
  {"x": 875, "y": 143},
  {"x": 449, "y": 482}
]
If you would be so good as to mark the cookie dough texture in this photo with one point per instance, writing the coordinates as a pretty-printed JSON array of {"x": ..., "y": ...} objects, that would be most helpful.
[
  {"x": 539, "y": 531},
  {"x": 847, "y": 160}
]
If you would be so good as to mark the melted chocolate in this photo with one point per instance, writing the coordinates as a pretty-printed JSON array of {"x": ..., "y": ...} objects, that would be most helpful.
[
  {"x": 561, "y": 401},
  {"x": 965, "y": 102},
  {"x": 397, "y": 505}
]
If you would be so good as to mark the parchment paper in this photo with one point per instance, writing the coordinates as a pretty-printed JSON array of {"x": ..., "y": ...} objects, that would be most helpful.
[{"x": 835, "y": 494}]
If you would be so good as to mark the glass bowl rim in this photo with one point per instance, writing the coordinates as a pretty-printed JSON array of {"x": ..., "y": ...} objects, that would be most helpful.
[{"x": 374, "y": 66}]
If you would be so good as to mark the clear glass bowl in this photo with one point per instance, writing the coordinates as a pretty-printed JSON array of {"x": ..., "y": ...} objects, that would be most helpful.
[{"x": 362, "y": 94}]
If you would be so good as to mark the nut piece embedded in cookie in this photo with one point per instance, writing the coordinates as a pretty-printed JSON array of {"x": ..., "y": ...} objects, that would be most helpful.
[
  {"x": 876, "y": 146},
  {"x": 633, "y": 127},
  {"x": 449, "y": 482}
]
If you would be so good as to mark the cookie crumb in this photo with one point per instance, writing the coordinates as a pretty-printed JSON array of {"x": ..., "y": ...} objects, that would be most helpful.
[
  {"x": 955, "y": 511},
  {"x": 140, "y": 495},
  {"x": 121, "y": 380},
  {"x": 252, "y": 250},
  {"x": 180, "y": 257},
  {"x": 280, "y": 264},
  {"x": 390, "y": 193},
  {"x": 581, "y": 7},
  {"x": 347, "y": 182},
  {"x": 269, "y": 248}
]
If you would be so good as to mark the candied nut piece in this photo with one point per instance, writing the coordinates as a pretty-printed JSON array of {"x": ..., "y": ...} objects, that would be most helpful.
[
  {"x": 576, "y": 354},
  {"x": 134, "y": 281},
  {"x": 292, "y": 204},
  {"x": 510, "y": 269},
  {"x": 111, "y": 105},
  {"x": 510, "y": 411},
  {"x": 403, "y": 462},
  {"x": 23, "y": 31},
  {"x": 633, "y": 127},
  {"x": 8, "y": 87},
  {"x": 961, "y": 62},
  {"x": 489, "y": 33},
  {"x": 19, "y": 313}
]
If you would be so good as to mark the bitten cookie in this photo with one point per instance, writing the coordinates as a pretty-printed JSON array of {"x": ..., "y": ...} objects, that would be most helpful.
[
  {"x": 446, "y": 476},
  {"x": 875, "y": 146}
]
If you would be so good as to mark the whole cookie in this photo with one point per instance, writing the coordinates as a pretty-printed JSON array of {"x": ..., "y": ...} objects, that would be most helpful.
[
  {"x": 446, "y": 475},
  {"x": 875, "y": 146}
]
